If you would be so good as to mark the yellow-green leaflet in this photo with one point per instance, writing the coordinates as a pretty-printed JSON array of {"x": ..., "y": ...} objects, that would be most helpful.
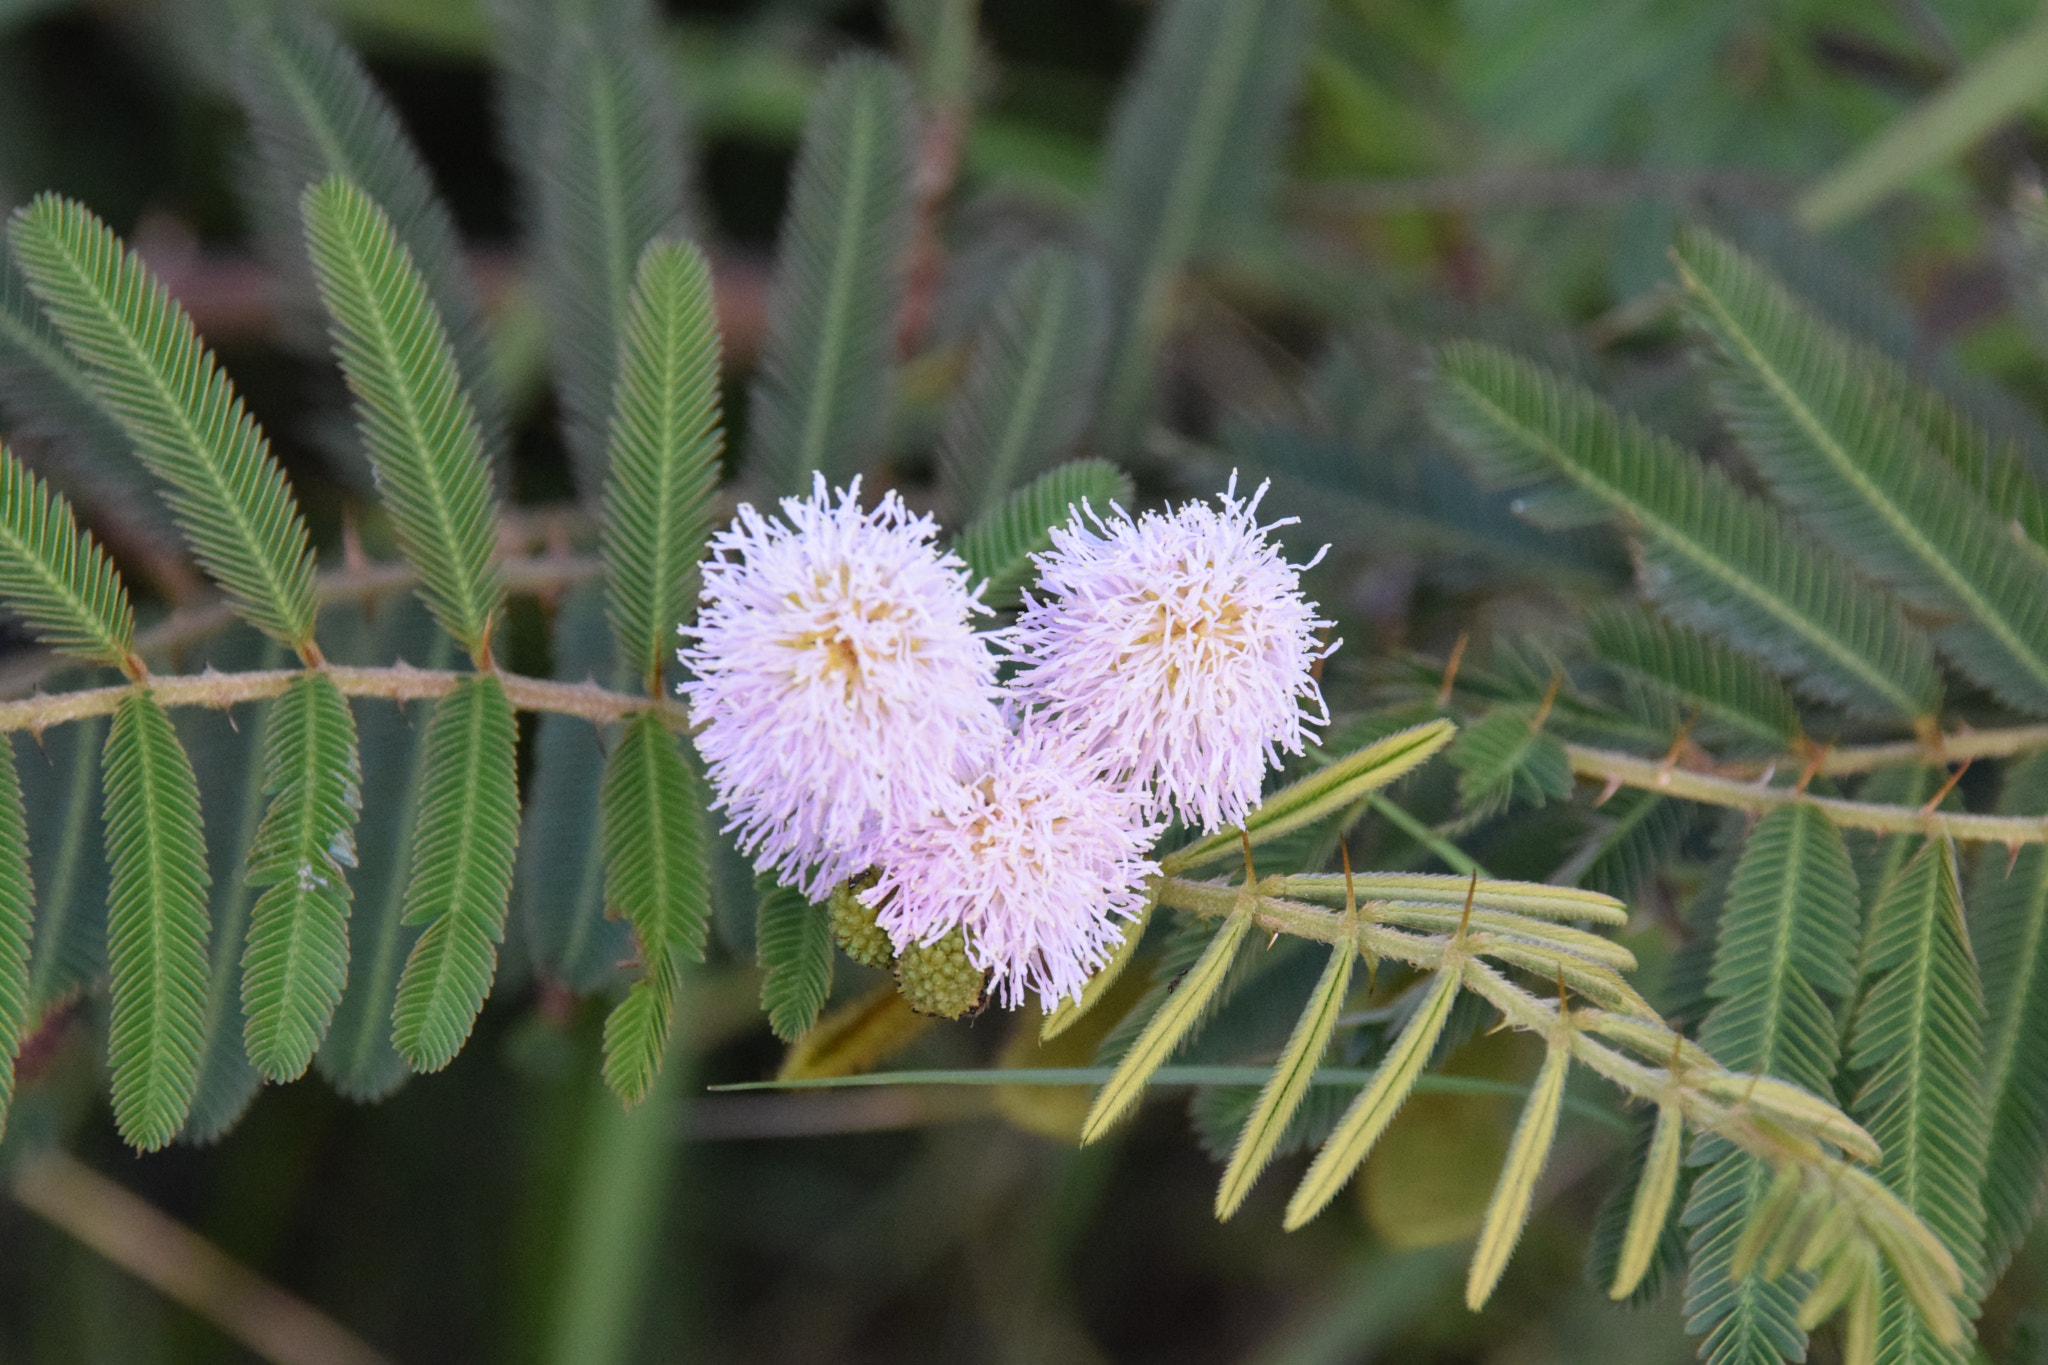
[
  {"x": 1508, "y": 1212},
  {"x": 1654, "y": 1188}
]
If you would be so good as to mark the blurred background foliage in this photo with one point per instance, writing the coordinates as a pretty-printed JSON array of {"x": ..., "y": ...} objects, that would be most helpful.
[{"x": 1392, "y": 172}]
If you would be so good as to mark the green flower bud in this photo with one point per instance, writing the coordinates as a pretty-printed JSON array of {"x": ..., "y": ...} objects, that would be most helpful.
[
  {"x": 853, "y": 924},
  {"x": 939, "y": 980}
]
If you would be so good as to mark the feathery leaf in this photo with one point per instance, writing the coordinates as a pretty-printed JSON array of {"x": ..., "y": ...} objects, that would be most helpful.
[
  {"x": 156, "y": 922},
  {"x": 55, "y": 576},
  {"x": 1650, "y": 1211},
  {"x": 296, "y": 962},
  {"x": 417, "y": 422},
  {"x": 1696, "y": 675},
  {"x": 1507, "y": 1212},
  {"x": 149, "y": 368},
  {"x": 793, "y": 940},
  {"x": 1024, "y": 402},
  {"x": 2009, "y": 933},
  {"x": 461, "y": 881},
  {"x": 1194, "y": 149},
  {"x": 60, "y": 782},
  {"x": 17, "y": 926},
  {"x": 655, "y": 876},
  {"x": 821, "y": 398},
  {"x": 1741, "y": 1319},
  {"x": 998, "y": 544},
  {"x": 1837, "y": 447},
  {"x": 315, "y": 111},
  {"x": 1917, "y": 1047},
  {"x": 665, "y": 445},
  {"x": 1283, "y": 1091},
  {"x": 1504, "y": 758},
  {"x": 1713, "y": 557}
]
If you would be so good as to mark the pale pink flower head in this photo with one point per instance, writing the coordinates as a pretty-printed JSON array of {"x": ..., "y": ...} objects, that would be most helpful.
[
  {"x": 1176, "y": 650},
  {"x": 1035, "y": 862},
  {"x": 840, "y": 689}
]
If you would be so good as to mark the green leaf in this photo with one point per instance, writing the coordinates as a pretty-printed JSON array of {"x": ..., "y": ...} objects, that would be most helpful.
[
  {"x": 296, "y": 962},
  {"x": 1194, "y": 151},
  {"x": 664, "y": 464},
  {"x": 2009, "y": 934},
  {"x": 1696, "y": 676},
  {"x": 1323, "y": 792},
  {"x": 17, "y": 927},
  {"x": 168, "y": 392},
  {"x": 1505, "y": 758},
  {"x": 1917, "y": 1047},
  {"x": 461, "y": 880},
  {"x": 1741, "y": 1319},
  {"x": 656, "y": 877},
  {"x": 357, "y": 1057},
  {"x": 60, "y": 783},
  {"x": 1507, "y": 1212},
  {"x": 1377, "y": 1104},
  {"x": 821, "y": 398},
  {"x": 558, "y": 888},
  {"x": 315, "y": 111},
  {"x": 1167, "y": 1027},
  {"x": 1024, "y": 402},
  {"x": 793, "y": 940},
  {"x": 1283, "y": 1091},
  {"x": 998, "y": 544},
  {"x": 416, "y": 420},
  {"x": 55, "y": 576},
  {"x": 156, "y": 922},
  {"x": 1834, "y": 445},
  {"x": 1635, "y": 1237},
  {"x": 1714, "y": 557},
  {"x": 608, "y": 178}
]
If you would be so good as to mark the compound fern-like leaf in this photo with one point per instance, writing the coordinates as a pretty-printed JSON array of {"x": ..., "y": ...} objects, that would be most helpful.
[
  {"x": 297, "y": 957},
  {"x": 17, "y": 926},
  {"x": 149, "y": 368},
  {"x": 1713, "y": 557},
  {"x": 55, "y": 576},
  {"x": 156, "y": 922},
  {"x": 998, "y": 544},
  {"x": 2009, "y": 933},
  {"x": 1024, "y": 404},
  {"x": 1699, "y": 677},
  {"x": 665, "y": 446},
  {"x": 420, "y": 428},
  {"x": 461, "y": 880},
  {"x": 656, "y": 877},
  {"x": 1836, "y": 446},
  {"x": 793, "y": 940},
  {"x": 821, "y": 398}
]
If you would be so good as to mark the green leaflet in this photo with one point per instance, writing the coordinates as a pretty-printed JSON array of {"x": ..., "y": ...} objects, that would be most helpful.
[
  {"x": 656, "y": 877},
  {"x": 1836, "y": 446},
  {"x": 558, "y": 888},
  {"x": 1714, "y": 557},
  {"x": 664, "y": 462},
  {"x": 607, "y": 179},
  {"x": 2009, "y": 934},
  {"x": 55, "y": 576},
  {"x": 1284, "y": 1089},
  {"x": 1023, "y": 403},
  {"x": 314, "y": 111},
  {"x": 17, "y": 926},
  {"x": 1635, "y": 834},
  {"x": 60, "y": 783},
  {"x": 357, "y": 1057},
  {"x": 1917, "y": 1049},
  {"x": 168, "y": 392},
  {"x": 793, "y": 941},
  {"x": 1644, "y": 1249},
  {"x": 821, "y": 398},
  {"x": 1167, "y": 1027},
  {"x": 1507, "y": 1212},
  {"x": 156, "y": 922},
  {"x": 1696, "y": 675},
  {"x": 998, "y": 544},
  {"x": 1785, "y": 947},
  {"x": 1505, "y": 758},
  {"x": 1194, "y": 150},
  {"x": 297, "y": 958},
  {"x": 418, "y": 423},
  {"x": 461, "y": 878}
]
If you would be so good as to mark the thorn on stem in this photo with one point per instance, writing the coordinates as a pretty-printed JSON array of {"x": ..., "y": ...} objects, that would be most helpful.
[{"x": 1456, "y": 657}]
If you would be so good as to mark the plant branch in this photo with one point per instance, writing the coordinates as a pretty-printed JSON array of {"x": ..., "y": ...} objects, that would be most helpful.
[
  {"x": 1655, "y": 775},
  {"x": 180, "y": 1264}
]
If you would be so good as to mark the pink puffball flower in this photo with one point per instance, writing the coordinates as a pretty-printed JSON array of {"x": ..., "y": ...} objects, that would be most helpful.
[
  {"x": 840, "y": 689},
  {"x": 1034, "y": 861},
  {"x": 1177, "y": 650}
]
